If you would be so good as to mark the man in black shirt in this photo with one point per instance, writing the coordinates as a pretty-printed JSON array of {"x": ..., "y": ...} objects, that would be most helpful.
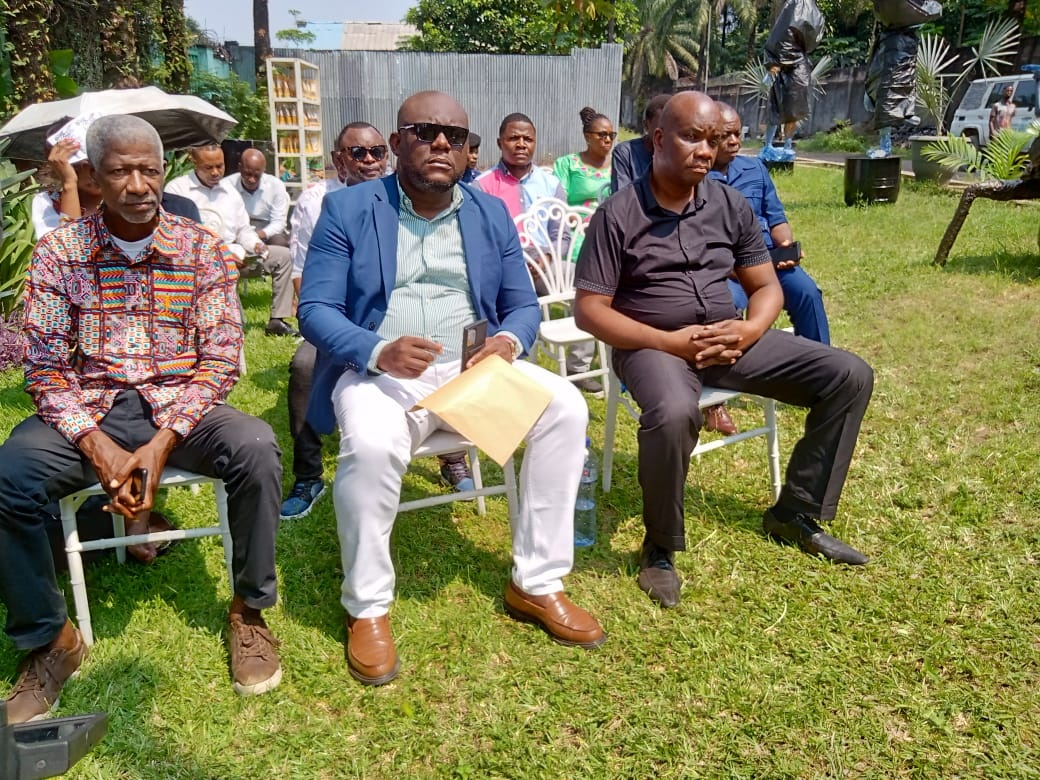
[{"x": 651, "y": 282}]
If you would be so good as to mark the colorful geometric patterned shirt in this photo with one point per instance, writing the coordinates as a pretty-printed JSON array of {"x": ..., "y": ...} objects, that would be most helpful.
[{"x": 167, "y": 324}]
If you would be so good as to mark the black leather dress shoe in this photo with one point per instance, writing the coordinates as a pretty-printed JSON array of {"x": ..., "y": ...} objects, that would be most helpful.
[
  {"x": 280, "y": 328},
  {"x": 658, "y": 577},
  {"x": 803, "y": 531}
]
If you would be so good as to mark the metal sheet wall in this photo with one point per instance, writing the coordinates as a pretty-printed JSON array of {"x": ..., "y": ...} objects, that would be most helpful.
[{"x": 370, "y": 85}]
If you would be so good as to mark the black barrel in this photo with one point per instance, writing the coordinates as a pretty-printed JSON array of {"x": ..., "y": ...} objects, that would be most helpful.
[{"x": 871, "y": 180}]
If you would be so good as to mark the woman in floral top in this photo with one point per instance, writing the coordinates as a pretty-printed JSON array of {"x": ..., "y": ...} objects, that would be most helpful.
[{"x": 586, "y": 175}]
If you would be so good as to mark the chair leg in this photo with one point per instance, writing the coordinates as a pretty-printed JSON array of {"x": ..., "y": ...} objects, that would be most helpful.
[
  {"x": 478, "y": 479},
  {"x": 772, "y": 446},
  {"x": 601, "y": 349},
  {"x": 75, "y": 562},
  {"x": 225, "y": 531},
  {"x": 512, "y": 494},
  {"x": 613, "y": 390},
  {"x": 118, "y": 532},
  {"x": 561, "y": 360}
]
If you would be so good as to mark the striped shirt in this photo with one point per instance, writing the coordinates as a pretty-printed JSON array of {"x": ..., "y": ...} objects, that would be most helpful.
[
  {"x": 431, "y": 296},
  {"x": 166, "y": 324}
]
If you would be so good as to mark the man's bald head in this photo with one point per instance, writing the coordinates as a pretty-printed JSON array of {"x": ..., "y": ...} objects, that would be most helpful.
[
  {"x": 430, "y": 143},
  {"x": 686, "y": 140},
  {"x": 727, "y": 111},
  {"x": 430, "y": 102},
  {"x": 254, "y": 156},
  {"x": 251, "y": 167},
  {"x": 686, "y": 107},
  {"x": 729, "y": 145}
]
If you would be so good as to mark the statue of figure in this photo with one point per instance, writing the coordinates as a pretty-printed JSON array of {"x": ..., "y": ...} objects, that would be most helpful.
[
  {"x": 891, "y": 88},
  {"x": 1026, "y": 188},
  {"x": 796, "y": 33}
]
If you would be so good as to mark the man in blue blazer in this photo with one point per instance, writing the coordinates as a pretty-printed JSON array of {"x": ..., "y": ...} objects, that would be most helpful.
[{"x": 396, "y": 268}]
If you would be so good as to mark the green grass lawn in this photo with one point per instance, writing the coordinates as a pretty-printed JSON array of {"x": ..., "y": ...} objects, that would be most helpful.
[{"x": 923, "y": 664}]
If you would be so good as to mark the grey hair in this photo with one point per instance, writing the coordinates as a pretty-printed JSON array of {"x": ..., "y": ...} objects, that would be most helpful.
[{"x": 106, "y": 131}]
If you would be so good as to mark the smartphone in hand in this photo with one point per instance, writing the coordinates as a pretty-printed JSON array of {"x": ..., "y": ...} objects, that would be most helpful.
[
  {"x": 473, "y": 338},
  {"x": 786, "y": 254},
  {"x": 139, "y": 484}
]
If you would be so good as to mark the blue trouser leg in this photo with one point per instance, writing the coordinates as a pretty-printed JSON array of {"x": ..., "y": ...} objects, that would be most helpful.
[{"x": 803, "y": 302}]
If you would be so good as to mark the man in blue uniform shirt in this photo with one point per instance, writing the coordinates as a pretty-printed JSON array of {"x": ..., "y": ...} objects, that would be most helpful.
[{"x": 803, "y": 300}]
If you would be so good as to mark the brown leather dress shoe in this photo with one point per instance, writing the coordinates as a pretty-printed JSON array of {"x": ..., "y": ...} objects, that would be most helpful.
[
  {"x": 562, "y": 619},
  {"x": 716, "y": 418},
  {"x": 371, "y": 656}
]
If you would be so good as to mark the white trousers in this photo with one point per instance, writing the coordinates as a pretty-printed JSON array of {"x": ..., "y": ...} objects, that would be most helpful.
[{"x": 377, "y": 438}]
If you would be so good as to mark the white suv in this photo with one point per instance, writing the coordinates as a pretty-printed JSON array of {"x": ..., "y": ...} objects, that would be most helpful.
[{"x": 971, "y": 119}]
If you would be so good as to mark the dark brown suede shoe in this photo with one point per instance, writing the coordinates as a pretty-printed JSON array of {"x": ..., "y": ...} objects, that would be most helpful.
[
  {"x": 255, "y": 667},
  {"x": 658, "y": 577},
  {"x": 41, "y": 676},
  {"x": 564, "y": 621},
  {"x": 371, "y": 655},
  {"x": 716, "y": 418}
]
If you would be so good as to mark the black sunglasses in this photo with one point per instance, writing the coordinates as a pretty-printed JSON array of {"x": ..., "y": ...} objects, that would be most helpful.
[
  {"x": 427, "y": 132},
  {"x": 603, "y": 135},
  {"x": 359, "y": 153}
]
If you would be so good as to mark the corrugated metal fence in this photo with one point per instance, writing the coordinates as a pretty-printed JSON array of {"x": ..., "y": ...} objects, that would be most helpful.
[{"x": 370, "y": 85}]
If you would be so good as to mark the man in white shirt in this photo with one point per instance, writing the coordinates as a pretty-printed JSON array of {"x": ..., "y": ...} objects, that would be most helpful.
[{"x": 224, "y": 212}]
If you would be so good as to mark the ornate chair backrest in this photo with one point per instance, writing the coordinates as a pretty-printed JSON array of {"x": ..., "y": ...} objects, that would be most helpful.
[{"x": 551, "y": 232}]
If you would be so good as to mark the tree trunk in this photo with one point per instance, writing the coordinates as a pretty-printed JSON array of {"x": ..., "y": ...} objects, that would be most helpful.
[
  {"x": 261, "y": 38},
  {"x": 118, "y": 44},
  {"x": 175, "y": 46},
  {"x": 28, "y": 34},
  {"x": 1016, "y": 9}
]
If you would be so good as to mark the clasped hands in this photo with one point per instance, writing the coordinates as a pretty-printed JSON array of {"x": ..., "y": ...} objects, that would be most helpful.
[
  {"x": 717, "y": 344},
  {"x": 409, "y": 356},
  {"x": 115, "y": 466}
]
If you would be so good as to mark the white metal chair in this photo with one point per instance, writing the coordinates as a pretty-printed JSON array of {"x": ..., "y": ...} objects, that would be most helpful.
[
  {"x": 709, "y": 397},
  {"x": 445, "y": 442},
  {"x": 74, "y": 548},
  {"x": 549, "y": 232}
]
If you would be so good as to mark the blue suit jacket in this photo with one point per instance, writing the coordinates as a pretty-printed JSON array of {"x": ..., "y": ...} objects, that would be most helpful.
[{"x": 351, "y": 269}]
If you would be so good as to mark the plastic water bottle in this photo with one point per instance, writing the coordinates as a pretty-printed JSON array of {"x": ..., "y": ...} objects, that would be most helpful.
[{"x": 585, "y": 506}]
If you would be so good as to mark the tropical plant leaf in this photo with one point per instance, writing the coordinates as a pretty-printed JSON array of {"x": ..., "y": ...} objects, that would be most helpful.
[
  {"x": 1006, "y": 154},
  {"x": 819, "y": 73},
  {"x": 997, "y": 44},
  {"x": 754, "y": 79},
  {"x": 955, "y": 152}
]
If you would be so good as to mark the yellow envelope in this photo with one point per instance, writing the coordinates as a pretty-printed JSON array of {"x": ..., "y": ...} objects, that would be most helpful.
[{"x": 493, "y": 405}]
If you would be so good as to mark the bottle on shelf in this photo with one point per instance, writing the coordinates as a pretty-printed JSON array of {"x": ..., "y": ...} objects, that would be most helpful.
[{"x": 585, "y": 506}]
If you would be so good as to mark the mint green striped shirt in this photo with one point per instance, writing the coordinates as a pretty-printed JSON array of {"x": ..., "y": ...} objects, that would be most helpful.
[{"x": 431, "y": 296}]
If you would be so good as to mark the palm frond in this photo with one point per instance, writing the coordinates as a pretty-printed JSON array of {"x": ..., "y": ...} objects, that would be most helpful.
[
  {"x": 819, "y": 73},
  {"x": 754, "y": 79},
  {"x": 1006, "y": 155},
  {"x": 998, "y": 42},
  {"x": 934, "y": 58},
  {"x": 955, "y": 152}
]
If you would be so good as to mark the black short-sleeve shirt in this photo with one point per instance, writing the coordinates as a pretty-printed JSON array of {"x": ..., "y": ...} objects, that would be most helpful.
[{"x": 669, "y": 270}]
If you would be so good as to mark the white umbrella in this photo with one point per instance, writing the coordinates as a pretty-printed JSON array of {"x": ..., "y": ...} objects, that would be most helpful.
[{"x": 182, "y": 120}]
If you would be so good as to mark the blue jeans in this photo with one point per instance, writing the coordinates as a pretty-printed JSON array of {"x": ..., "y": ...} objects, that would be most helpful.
[{"x": 803, "y": 303}]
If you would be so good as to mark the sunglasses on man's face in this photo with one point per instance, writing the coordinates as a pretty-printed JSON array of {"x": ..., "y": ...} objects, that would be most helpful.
[
  {"x": 427, "y": 132},
  {"x": 603, "y": 135},
  {"x": 359, "y": 153}
]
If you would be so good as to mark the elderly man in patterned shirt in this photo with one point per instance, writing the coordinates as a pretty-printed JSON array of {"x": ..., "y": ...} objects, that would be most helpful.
[{"x": 132, "y": 339}]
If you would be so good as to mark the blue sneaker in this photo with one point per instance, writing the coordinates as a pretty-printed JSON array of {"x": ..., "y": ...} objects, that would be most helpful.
[
  {"x": 304, "y": 494},
  {"x": 455, "y": 472}
]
